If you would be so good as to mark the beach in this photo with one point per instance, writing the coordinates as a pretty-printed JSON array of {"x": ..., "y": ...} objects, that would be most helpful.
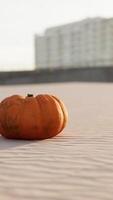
[{"x": 75, "y": 165}]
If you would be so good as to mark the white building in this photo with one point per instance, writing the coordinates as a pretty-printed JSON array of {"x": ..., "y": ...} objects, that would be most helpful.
[{"x": 88, "y": 43}]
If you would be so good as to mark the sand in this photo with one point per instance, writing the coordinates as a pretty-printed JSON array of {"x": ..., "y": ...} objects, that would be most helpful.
[{"x": 77, "y": 164}]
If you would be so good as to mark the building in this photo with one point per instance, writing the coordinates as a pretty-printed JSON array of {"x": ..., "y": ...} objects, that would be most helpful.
[{"x": 87, "y": 43}]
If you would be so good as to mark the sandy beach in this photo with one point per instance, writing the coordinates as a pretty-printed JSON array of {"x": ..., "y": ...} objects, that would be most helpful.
[{"x": 75, "y": 165}]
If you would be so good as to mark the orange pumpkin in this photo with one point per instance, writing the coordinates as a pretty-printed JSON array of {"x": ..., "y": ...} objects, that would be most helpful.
[{"x": 39, "y": 117}]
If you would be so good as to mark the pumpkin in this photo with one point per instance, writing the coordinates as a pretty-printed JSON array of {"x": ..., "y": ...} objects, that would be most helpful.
[{"x": 32, "y": 117}]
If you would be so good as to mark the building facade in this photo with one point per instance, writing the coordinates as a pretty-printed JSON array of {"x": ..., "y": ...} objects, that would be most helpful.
[{"x": 88, "y": 43}]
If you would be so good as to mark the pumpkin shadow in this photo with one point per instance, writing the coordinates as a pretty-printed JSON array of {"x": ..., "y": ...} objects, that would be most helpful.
[{"x": 6, "y": 144}]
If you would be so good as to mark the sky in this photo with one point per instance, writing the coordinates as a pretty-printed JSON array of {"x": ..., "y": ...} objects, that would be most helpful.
[{"x": 20, "y": 20}]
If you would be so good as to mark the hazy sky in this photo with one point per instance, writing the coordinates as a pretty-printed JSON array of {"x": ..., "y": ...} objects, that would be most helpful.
[{"x": 21, "y": 19}]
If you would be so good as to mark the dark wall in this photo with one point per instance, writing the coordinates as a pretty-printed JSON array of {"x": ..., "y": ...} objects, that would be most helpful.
[{"x": 95, "y": 74}]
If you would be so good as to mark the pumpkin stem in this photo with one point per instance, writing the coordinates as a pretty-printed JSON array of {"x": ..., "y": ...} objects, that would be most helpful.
[{"x": 29, "y": 95}]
